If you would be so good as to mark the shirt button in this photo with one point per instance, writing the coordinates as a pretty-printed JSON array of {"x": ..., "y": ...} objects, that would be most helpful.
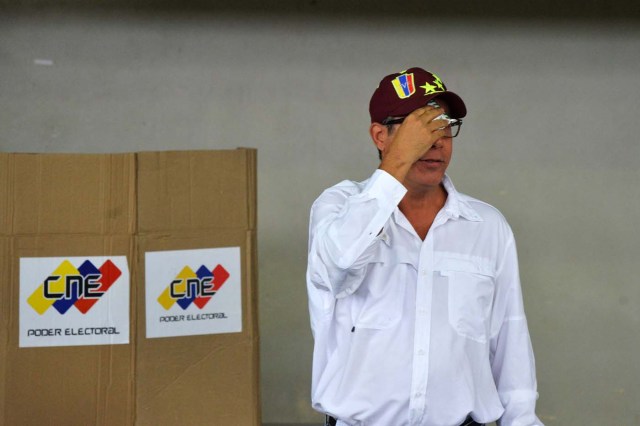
[
  {"x": 424, "y": 272},
  {"x": 421, "y": 352},
  {"x": 418, "y": 395}
]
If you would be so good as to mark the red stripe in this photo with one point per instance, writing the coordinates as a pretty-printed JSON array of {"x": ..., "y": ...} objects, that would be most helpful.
[{"x": 410, "y": 84}]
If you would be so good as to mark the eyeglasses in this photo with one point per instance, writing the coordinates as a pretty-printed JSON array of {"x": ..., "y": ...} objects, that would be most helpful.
[{"x": 454, "y": 124}]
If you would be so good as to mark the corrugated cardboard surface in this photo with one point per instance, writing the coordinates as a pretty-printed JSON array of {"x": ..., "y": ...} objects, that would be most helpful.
[
  {"x": 69, "y": 194},
  {"x": 202, "y": 378},
  {"x": 126, "y": 204},
  {"x": 79, "y": 385},
  {"x": 5, "y": 318},
  {"x": 196, "y": 190},
  {"x": 205, "y": 379}
]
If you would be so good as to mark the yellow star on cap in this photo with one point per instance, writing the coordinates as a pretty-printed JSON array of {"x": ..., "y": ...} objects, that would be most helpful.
[
  {"x": 428, "y": 89},
  {"x": 438, "y": 83}
]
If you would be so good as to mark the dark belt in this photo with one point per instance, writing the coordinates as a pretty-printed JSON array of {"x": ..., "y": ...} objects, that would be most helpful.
[{"x": 330, "y": 421}]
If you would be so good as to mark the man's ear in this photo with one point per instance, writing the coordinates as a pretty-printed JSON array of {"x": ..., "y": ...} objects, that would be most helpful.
[{"x": 380, "y": 135}]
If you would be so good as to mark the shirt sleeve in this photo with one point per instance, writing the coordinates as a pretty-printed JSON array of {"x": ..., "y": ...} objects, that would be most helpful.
[
  {"x": 344, "y": 229},
  {"x": 512, "y": 359}
]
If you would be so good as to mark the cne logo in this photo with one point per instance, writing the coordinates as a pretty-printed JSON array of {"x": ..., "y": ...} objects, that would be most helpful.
[
  {"x": 193, "y": 287},
  {"x": 69, "y": 286},
  {"x": 404, "y": 85}
]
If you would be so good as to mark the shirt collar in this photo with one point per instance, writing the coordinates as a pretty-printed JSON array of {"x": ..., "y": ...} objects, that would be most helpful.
[{"x": 456, "y": 205}]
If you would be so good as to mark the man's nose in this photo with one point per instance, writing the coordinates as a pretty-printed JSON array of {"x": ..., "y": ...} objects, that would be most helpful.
[{"x": 438, "y": 143}]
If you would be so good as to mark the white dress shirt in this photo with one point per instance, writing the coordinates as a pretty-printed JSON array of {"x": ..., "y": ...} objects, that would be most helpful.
[{"x": 413, "y": 332}]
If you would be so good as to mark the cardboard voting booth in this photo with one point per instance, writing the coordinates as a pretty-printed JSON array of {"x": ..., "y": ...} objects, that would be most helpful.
[{"x": 128, "y": 289}]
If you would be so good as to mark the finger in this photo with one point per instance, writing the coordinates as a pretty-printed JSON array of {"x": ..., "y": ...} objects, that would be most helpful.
[
  {"x": 432, "y": 114},
  {"x": 437, "y": 135},
  {"x": 438, "y": 124},
  {"x": 423, "y": 120},
  {"x": 425, "y": 110},
  {"x": 433, "y": 109}
]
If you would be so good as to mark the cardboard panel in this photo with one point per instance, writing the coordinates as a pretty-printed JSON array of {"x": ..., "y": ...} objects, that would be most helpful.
[
  {"x": 73, "y": 194},
  {"x": 5, "y": 317},
  {"x": 76, "y": 385},
  {"x": 204, "y": 383},
  {"x": 196, "y": 190},
  {"x": 5, "y": 190},
  {"x": 207, "y": 378}
]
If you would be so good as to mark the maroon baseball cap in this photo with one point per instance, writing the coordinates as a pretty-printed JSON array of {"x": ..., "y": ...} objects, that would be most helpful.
[{"x": 401, "y": 93}]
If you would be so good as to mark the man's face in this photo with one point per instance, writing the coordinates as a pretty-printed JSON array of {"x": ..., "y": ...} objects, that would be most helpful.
[{"x": 429, "y": 170}]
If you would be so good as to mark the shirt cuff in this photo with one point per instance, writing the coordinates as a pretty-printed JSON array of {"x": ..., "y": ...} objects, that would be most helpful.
[{"x": 385, "y": 187}]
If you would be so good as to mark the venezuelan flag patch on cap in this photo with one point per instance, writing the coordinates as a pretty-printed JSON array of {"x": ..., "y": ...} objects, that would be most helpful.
[{"x": 404, "y": 85}]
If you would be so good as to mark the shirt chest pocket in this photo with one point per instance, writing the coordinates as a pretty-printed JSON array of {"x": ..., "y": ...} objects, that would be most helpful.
[
  {"x": 471, "y": 286},
  {"x": 379, "y": 302}
]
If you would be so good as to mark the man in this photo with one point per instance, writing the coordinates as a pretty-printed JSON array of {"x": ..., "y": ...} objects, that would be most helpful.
[{"x": 414, "y": 293}]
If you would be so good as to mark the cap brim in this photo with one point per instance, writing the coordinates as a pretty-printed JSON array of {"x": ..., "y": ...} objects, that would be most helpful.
[{"x": 457, "y": 108}]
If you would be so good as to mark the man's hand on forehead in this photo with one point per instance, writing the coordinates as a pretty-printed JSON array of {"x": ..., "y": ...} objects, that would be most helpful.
[
  {"x": 413, "y": 138},
  {"x": 431, "y": 114}
]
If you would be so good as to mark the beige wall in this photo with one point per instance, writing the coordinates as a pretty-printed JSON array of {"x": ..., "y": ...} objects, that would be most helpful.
[{"x": 551, "y": 139}]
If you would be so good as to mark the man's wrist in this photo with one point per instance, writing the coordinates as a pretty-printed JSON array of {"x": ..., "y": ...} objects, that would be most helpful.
[{"x": 396, "y": 167}]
